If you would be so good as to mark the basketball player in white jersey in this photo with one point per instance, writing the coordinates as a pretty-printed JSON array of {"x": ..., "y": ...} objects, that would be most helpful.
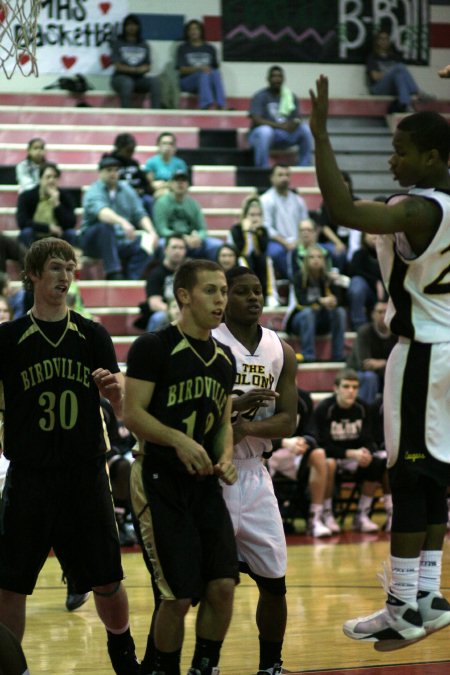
[
  {"x": 414, "y": 255},
  {"x": 264, "y": 407}
]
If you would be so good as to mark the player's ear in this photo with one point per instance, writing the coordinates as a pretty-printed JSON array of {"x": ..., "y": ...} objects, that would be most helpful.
[
  {"x": 433, "y": 157},
  {"x": 183, "y": 295}
]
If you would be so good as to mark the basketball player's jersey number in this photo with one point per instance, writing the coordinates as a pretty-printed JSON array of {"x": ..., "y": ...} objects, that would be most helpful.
[
  {"x": 62, "y": 411},
  {"x": 190, "y": 423}
]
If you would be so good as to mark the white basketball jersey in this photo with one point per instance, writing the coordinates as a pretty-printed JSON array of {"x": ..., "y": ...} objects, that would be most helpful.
[
  {"x": 418, "y": 285},
  {"x": 261, "y": 369}
]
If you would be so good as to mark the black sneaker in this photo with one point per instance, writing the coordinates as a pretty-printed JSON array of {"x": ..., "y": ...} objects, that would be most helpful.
[
  {"x": 124, "y": 661},
  {"x": 74, "y": 599}
]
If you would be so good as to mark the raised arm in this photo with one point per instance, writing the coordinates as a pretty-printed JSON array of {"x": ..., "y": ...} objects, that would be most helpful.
[{"x": 415, "y": 216}]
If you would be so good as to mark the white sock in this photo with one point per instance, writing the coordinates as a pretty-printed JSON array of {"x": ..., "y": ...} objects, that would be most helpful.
[
  {"x": 327, "y": 504},
  {"x": 315, "y": 511},
  {"x": 405, "y": 579},
  {"x": 430, "y": 570},
  {"x": 365, "y": 503}
]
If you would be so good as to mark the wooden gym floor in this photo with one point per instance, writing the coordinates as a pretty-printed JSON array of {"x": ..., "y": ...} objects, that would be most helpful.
[{"x": 328, "y": 582}]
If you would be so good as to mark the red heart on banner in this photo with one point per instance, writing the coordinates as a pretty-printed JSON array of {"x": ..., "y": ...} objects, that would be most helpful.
[
  {"x": 105, "y": 7},
  {"x": 2, "y": 14},
  {"x": 23, "y": 58},
  {"x": 68, "y": 61},
  {"x": 105, "y": 60}
]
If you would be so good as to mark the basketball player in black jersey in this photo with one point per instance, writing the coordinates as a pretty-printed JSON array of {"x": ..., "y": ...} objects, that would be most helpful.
[
  {"x": 177, "y": 400},
  {"x": 54, "y": 365}
]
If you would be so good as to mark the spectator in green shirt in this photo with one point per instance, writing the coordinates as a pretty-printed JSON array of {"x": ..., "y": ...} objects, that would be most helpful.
[{"x": 177, "y": 213}]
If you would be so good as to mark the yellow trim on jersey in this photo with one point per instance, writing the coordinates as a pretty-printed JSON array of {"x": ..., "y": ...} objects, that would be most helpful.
[
  {"x": 185, "y": 344},
  {"x": 71, "y": 325}
]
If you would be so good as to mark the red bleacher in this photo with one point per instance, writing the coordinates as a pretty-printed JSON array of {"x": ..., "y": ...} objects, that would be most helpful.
[{"x": 76, "y": 137}]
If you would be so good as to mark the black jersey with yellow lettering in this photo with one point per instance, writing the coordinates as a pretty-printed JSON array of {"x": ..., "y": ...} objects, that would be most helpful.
[
  {"x": 193, "y": 379},
  {"x": 51, "y": 403}
]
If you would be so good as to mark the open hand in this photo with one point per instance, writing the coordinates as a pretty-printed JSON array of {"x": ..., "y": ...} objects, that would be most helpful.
[{"x": 319, "y": 110}]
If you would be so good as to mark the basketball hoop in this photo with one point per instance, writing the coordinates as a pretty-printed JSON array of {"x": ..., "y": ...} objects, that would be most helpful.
[{"x": 18, "y": 21}]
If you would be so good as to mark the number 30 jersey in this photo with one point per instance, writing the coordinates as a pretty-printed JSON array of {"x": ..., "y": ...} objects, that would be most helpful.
[
  {"x": 418, "y": 285},
  {"x": 51, "y": 404}
]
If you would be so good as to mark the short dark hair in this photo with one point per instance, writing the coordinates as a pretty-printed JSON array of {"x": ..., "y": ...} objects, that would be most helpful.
[
  {"x": 346, "y": 374},
  {"x": 278, "y": 165},
  {"x": 49, "y": 165},
  {"x": 428, "y": 131},
  {"x": 188, "y": 25},
  {"x": 123, "y": 141},
  {"x": 273, "y": 69},
  {"x": 171, "y": 237},
  {"x": 235, "y": 273},
  {"x": 40, "y": 251},
  {"x": 166, "y": 133},
  {"x": 186, "y": 275}
]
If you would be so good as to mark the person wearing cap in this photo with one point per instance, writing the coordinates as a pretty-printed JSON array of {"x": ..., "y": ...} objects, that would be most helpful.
[
  {"x": 177, "y": 213},
  {"x": 115, "y": 226}
]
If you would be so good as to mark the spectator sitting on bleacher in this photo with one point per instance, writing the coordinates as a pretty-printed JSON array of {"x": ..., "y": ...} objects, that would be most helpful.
[
  {"x": 27, "y": 171},
  {"x": 283, "y": 209},
  {"x": 116, "y": 227},
  {"x": 299, "y": 459},
  {"x": 198, "y": 67},
  {"x": 340, "y": 241},
  {"x": 161, "y": 167},
  {"x": 366, "y": 286},
  {"x": 130, "y": 56},
  {"x": 227, "y": 256},
  {"x": 177, "y": 213},
  {"x": 45, "y": 210},
  {"x": 251, "y": 238},
  {"x": 371, "y": 348},
  {"x": 159, "y": 282},
  {"x": 276, "y": 123},
  {"x": 307, "y": 237},
  {"x": 130, "y": 170},
  {"x": 316, "y": 309},
  {"x": 343, "y": 427},
  {"x": 388, "y": 76}
]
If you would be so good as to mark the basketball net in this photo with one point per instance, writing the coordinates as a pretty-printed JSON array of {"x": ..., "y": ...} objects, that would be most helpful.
[{"x": 18, "y": 21}]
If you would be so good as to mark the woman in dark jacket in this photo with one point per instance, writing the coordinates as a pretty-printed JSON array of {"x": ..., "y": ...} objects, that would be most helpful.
[{"x": 46, "y": 211}]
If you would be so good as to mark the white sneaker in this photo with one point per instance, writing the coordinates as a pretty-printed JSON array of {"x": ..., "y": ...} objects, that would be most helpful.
[
  {"x": 362, "y": 523},
  {"x": 434, "y": 609},
  {"x": 329, "y": 521},
  {"x": 397, "y": 621},
  {"x": 317, "y": 529}
]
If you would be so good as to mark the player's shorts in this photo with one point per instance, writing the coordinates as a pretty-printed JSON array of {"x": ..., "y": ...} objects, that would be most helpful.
[
  {"x": 256, "y": 518},
  {"x": 184, "y": 528},
  {"x": 69, "y": 509},
  {"x": 417, "y": 408}
]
